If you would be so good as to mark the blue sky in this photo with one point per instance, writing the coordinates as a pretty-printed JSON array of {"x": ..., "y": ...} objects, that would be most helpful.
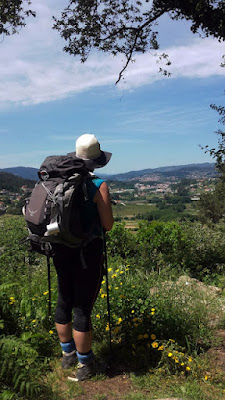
[{"x": 48, "y": 98}]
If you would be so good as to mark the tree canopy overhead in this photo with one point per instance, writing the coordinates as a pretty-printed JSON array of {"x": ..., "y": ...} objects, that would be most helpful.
[
  {"x": 13, "y": 14},
  {"x": 130, "y": 26}
]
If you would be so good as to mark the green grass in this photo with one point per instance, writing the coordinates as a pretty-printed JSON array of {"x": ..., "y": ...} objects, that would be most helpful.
[
  {"x": 132, "y": 209},
  {"x": 161, "y": 386}
]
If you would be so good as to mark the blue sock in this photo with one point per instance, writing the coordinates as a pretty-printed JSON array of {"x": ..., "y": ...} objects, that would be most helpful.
[
  {"x": 68, "y": 347},
  {"x": 85, "y": 358}
]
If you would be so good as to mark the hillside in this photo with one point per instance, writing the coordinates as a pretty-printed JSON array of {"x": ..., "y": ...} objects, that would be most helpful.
[
  {"x": 23, "y": 172},
  {"x": 181, "y": 171},
  {"x": 13, "y": 183}
]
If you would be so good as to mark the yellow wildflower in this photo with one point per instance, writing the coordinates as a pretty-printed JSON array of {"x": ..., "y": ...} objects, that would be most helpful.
[
  {"x": 45, "y": 293},
  {"x": 51, "y": 332},
  {"x": 11, "y": 298},
  {"x": 103, "y": 282},
  {"x": 116, "y": 288},
  {"x": 170, "y": 354},
  {"x": 119, "y": 321},
  {"x": 153, "y": 313},
  {"x": 121, "y": 272},
  {"x": 182, "y": 364},
  {"x": 171, "y": 340},
  {"x": 103, "y": 295},
  {"x": 190, "y": 359},
  {"x": 98, "y": 316},
  {"x": 132, "y": 312},
  {"x": 155, "y": 345},
  {"x": 114, "y": 275},
  {"x": 107, "y": 327},
  {"x": 161, "y": 348},
  {"x": 33, "y": 299},
  {"x": 153, "y": 337},
  {"x": 188, "y": 368},
  {"x": 153, "y": 309},
  {"x": 176, "y": 360},
  {"x": 110, "y": 269},
  {"x": 133, "y": 286},
  {"x": 117, "y": 270},
  {"x": 206, "y": 377},
  {"x": 34, "y": 320}
]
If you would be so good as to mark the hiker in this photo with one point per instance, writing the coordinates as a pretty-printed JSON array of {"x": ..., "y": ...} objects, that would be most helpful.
[{"x": 79, "y": 282}]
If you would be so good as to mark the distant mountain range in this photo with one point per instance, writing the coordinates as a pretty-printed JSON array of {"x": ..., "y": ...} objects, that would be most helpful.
[
  {"x": 176, "y": 170},
  {"x": 23, "y": 172}
]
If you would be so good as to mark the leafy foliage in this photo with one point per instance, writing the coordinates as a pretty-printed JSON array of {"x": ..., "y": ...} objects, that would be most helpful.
[
  {"x": 188, "y": 246},
  {"x": 212, "y": 205},
  {"x": 153, "y": 317},
  {"x": 13, "y": 14},
  {"x": 219, "y": 153},
  {"x": 127, "y": 27}
]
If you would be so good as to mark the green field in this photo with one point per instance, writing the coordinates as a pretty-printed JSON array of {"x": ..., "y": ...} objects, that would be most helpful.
[{"x": 132, "y": 209}]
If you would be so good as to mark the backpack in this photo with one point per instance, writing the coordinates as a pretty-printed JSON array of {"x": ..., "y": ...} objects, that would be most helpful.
[{"x": 53, "y": 211}]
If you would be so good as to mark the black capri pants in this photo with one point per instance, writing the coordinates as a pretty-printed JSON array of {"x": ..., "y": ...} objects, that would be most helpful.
[{"x": 78, "y": 284}]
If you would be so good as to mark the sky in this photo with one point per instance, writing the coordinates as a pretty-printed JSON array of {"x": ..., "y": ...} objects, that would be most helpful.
[{"x": 48, "y": 98}]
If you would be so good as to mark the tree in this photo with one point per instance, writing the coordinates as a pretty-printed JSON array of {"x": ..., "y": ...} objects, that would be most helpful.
[
  {"x": 13, "y": 14},
  {"x": 219, "y": 153},
  {"x": 127, "y": 27},
  {"x": 212, "y": 205}
]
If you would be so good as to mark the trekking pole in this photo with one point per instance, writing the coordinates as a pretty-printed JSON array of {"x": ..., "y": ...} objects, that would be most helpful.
[
  {"x": 49, "y": 287},
  {"x": 107, "y": 291},
  {"x": 48, "y": 249}
]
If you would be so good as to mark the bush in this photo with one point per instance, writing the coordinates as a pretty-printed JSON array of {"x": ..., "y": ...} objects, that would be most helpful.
[{"x": 189, "y": 246}]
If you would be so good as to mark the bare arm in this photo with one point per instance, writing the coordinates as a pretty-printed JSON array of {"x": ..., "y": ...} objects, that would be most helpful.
[{"x": 102, "y": 199}]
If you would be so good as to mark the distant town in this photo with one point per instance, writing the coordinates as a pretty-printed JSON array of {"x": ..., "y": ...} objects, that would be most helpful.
[{"x": 148, "y": 187}]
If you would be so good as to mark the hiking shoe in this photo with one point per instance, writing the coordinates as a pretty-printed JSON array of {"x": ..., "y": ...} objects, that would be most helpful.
[
  {"x": 69, "y": 361},
  {"x": 87, "y": 371}
]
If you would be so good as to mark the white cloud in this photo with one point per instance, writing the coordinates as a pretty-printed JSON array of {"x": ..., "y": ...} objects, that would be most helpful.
[{"x": 35, "y": 69}]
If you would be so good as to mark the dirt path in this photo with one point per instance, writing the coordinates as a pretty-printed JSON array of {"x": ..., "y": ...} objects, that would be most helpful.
[{"x": 111, "y": 388}]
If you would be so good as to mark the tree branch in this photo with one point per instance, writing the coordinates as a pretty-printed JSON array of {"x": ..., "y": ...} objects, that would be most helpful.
[
  {"x": 128, "y": 60},
  {"x": 131, "y": 28}
]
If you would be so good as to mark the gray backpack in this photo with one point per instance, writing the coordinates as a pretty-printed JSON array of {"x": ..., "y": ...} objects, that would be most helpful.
[{"x": 53, "y": 211}]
